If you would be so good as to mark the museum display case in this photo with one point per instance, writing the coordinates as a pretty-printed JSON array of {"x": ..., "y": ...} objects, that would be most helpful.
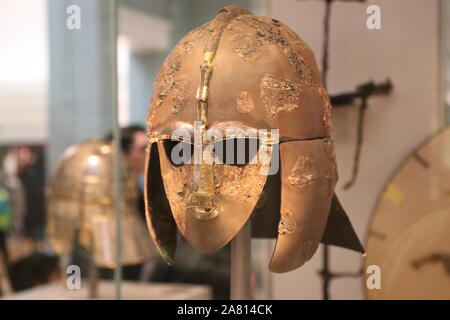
[{"x": 217, "y": 150}]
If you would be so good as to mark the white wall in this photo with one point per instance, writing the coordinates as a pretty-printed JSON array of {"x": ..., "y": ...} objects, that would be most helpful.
[
  {"x": 407, "y": 51},
  {"x": 24, "y": 71}
]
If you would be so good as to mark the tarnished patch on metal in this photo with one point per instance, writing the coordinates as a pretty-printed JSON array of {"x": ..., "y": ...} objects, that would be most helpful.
[
  {"x": 304, "y": 172},
  {"x": 326, "y": 107},
  {"x": 244, "y": 103},
  {"x": 329, "y": 150},
  {"x": 287, "y": 223},
  {"x": 330, "y": 180},
  {"x": 244, "y": 184},
  {"x": 246, "y": 46},
  {"x": 176, "y": 181},
  {"x": 279, "y": 94},
  {"x": 293, "y": 38},
  {"x": 180, "y": 93},
  {"x": 269, "y": 33},
  {"x": 332, "y": 173},
  {"x": 165, "y": 80},
  {"x": 181, "y": 222}
]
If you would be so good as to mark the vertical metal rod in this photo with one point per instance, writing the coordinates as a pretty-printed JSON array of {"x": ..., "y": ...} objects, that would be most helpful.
[
  {"x": 241, "y": 264},
  {"x": 117, "y": 147},
  {"x": 93, "y": 279},
  {"x": 326, "y": 42}
]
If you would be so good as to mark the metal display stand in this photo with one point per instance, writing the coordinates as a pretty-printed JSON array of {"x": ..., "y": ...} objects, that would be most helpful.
[
  {"x": 117, "y": 146},
  {"x": 241, "y": 264}
]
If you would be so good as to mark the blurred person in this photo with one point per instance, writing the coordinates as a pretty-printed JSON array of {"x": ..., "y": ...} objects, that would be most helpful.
[
  {"x": 13, "y": 184},
  {"x": 14, "y": 239},
  {"x": 133, "y": 143},
  {"x": 5, "y": 285},
  {"x": 33, "y": 270},
  {"x": 23, "y": 178},
  {"x": 5, "y": 218},
  {"x": 32, "y": 175}
]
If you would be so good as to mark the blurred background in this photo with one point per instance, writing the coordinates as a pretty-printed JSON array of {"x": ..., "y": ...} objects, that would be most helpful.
[{"x": 55, "y": 89}]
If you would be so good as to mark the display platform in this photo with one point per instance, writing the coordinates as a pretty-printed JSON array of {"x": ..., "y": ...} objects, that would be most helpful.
[{"x": 106, "y": 291}]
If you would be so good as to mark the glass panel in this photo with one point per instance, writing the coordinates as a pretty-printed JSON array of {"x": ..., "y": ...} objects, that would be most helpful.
[
  {"x": 23, "y": 143},
  {"x": 57, "y": 91}
]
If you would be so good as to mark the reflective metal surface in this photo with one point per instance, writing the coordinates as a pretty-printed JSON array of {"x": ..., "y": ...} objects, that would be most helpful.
[{"x": 80, "y": 203}]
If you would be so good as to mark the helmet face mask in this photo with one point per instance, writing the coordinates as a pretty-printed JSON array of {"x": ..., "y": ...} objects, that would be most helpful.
[
  {"x": 210, "y": 209},
  {"x": 244, "y": 96}
]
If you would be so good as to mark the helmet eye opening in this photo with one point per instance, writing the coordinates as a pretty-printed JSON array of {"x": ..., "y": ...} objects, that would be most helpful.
[
  {"x": 236, "y": 151},
  {"x": 178, "y": 152}
]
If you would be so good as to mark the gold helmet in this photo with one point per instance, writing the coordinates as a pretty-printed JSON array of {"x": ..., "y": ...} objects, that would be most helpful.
[
  {"x": 242, "y": 80},
  {"x": 80, "y": 200}
]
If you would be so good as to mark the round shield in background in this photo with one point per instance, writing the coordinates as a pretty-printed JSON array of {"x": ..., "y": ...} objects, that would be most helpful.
[{"x": 409, "y": 235}]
